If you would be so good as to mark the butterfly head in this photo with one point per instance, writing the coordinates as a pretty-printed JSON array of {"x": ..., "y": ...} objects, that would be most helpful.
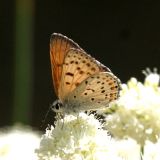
[{"x": 57, "y": 106}]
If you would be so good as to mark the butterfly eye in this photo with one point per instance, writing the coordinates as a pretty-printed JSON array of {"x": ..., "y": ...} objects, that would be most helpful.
[{"x": 57, "y": 106}]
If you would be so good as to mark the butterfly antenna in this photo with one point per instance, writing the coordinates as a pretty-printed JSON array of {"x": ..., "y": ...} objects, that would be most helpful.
[{"x": 43, "y": 121}]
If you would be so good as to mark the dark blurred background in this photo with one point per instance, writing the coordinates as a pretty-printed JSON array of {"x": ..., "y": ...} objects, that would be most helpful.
[{"x": 123, "y": 35}]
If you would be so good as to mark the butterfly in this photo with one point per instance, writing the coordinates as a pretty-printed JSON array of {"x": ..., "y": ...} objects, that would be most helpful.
[{"x": 80, "y": 81}]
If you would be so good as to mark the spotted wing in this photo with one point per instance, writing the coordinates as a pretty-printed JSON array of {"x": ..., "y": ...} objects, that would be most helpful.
[
  {"x": 59, "y": 45},
  {"x": 77, "y": 67},
  {"x": 95, "y": 92}
]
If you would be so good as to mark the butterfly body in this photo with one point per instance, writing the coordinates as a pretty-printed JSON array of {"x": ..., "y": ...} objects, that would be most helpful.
[{"x": 81, "y": 82}]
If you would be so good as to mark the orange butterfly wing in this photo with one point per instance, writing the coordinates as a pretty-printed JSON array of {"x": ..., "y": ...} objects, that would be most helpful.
[
  {"x": 59, "y": 45},
  {"x": 77, "y": 66}
]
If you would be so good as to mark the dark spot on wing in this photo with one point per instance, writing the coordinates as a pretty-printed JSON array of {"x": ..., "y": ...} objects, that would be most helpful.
[
  {"x": 92, "y": 99},
  {"x": 88, "y": 64},
  {"x": 69, "y": 74},
  {"x": 91, "y": 89},
  {"x": 81, "y": 72},
  {"x": 93, "y": 69},
  {"x": 67, "y": 83},
  {"x": 102, "y": 91},
  {"x": 76, "y": 84}
]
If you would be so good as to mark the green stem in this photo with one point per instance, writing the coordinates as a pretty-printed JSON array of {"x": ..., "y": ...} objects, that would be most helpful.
[{"x": 23, "y": 67}]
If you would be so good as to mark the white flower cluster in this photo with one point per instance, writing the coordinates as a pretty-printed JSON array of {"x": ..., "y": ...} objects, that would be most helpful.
[
  {"x": 134, "y": 122},
  {"x": 18, "y": 142},
  {"x": 137, "y": 113},
  {"x": 82, "y": 138}
]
